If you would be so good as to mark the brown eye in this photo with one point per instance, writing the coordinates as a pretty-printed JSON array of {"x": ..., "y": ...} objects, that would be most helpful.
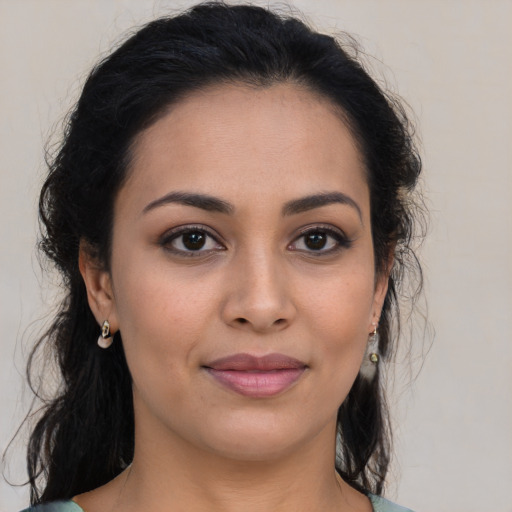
[
  {"x": 315, "y": 241},
  {"x": 320, "y": 240},
  {"x": 194, "y": 240},
  {"x": 190, "y": 241}
]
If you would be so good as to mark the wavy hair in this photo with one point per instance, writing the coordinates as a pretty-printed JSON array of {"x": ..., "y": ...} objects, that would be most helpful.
[{"x": 85, "y": 433}]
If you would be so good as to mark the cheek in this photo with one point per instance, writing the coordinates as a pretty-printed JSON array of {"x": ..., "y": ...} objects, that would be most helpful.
[
  {"x": 161, "y": 318},
  {"x": 341, "y": 302},
  {"x": 338, "y": 314}
]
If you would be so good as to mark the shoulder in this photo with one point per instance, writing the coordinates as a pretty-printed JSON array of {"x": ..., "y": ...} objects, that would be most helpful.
[
  {"x": 55, "y": 506},
  {"x": 382, "y": 505},
  {"x": 379, "y": 505}
]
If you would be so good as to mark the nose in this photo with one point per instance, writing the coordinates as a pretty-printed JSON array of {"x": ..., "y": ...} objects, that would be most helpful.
[{"x": 258, "y": 297}]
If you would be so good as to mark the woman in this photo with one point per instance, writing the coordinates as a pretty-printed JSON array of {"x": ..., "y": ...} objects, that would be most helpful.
[{"x": 230, "y": 211}]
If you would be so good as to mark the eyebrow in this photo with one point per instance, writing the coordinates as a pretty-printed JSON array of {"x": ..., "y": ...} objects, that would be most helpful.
[
  {"x": 203, "y": 201},
  {"x": 214, "y": 204},
  {"x": 318, "y": 200}
]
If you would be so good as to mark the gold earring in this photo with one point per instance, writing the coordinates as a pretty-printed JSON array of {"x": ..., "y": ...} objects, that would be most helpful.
[
  {"x": 105, "y": 339},
  {"x": 371, "y": 357},
  {"x": 374, "y": 342}
]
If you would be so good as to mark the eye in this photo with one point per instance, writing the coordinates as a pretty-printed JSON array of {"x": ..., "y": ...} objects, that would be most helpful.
[
  {"x": 321, "y": 240},
  {"x": 190, "y": 241}
]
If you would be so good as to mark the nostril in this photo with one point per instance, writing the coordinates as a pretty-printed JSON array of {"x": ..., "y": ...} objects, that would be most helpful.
[{"x": 260, "y": 325}]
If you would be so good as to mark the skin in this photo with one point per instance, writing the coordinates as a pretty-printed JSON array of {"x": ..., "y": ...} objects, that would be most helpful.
[{"x": 256, "y": 287}]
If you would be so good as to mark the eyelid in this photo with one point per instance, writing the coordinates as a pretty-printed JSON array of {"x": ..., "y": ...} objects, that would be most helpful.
[
  {"x": 328, "y": 228},
  {"x": 177, "y": 231},
  {"x": 342, "y": 240}
]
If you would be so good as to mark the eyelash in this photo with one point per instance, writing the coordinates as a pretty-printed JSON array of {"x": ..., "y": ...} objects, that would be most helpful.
[
  {"x": 175, "y": 234},
  {"x": 341, "y": 241}
]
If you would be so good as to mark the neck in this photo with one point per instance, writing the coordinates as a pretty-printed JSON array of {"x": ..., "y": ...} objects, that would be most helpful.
[
  {"x": 175, "y": 475},
  {"x": 171, "y": 474}
]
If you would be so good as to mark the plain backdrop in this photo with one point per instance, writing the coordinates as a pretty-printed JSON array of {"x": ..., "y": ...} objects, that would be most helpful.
[{"x": 452, "y": 62}]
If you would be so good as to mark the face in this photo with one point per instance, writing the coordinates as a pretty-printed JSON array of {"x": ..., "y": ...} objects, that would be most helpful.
[{"x": 242, "y": 274}]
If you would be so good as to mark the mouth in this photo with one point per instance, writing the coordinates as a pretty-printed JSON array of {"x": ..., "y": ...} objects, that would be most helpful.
[{"x": 254, "y": 376}]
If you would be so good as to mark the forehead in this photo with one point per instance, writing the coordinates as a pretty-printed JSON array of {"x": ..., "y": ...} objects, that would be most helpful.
[{"x": 237, "y": 140}]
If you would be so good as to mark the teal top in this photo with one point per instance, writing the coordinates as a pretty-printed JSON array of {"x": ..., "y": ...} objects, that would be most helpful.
[{"x": 379, "y": 505}]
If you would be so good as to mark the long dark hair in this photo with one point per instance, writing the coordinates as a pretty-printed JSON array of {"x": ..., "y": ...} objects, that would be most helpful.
[{"x": 85, "y": 435}]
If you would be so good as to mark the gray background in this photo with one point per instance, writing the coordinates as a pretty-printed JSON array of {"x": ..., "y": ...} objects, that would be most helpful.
[{"x": 452, "y": 61}]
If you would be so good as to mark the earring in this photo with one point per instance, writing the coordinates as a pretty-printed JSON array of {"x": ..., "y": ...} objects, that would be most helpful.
[
  {"x": 105, "y": 339},
  {"x": 371, "y": 358}
]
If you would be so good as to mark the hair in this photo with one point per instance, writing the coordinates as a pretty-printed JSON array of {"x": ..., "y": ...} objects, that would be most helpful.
[{"x": 85, "y": 434}]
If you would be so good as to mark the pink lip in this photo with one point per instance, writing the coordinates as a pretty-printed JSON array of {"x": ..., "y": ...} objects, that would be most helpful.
[{"x": 256, "y": 376}]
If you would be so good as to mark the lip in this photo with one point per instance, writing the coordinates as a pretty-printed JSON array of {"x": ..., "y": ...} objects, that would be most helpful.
[{"x": 256, "y": 376}]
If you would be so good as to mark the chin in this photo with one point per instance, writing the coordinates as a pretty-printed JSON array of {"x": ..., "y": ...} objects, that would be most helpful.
[
  {"x": 261, "y": 439},
  {"x": 254, "y": 450}
]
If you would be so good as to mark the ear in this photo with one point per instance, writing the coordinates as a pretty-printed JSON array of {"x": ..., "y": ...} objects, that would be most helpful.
[
  {"x": 381, "y": 289},
  {"x": 98, "y": 283}
]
